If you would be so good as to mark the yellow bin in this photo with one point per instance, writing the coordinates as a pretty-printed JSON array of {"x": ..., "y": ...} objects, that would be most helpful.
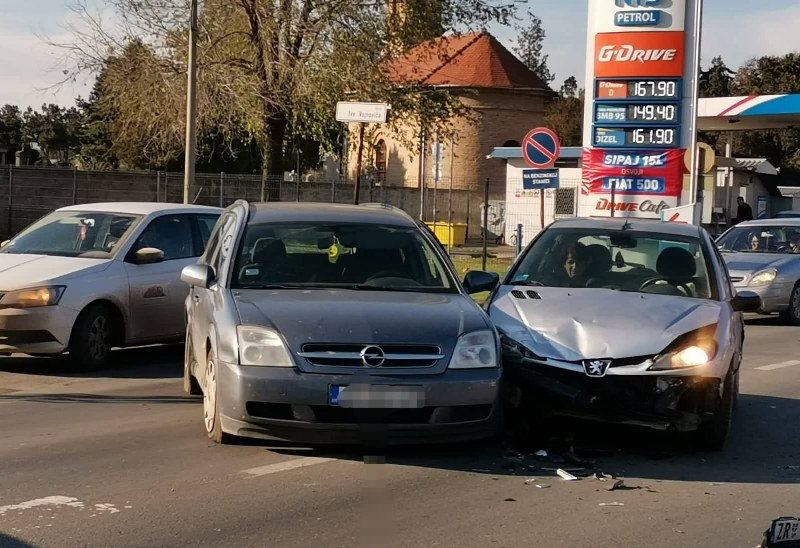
[{"x": 449, "y": 234}]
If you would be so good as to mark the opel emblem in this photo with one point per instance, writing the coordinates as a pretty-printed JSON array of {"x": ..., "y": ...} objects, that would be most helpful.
[{"x": 372, "y": 356}]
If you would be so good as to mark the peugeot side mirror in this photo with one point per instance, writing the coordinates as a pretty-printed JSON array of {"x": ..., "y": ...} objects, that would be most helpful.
[
  {"x": 148, "y": 255},
  {"x": 477, "y": 281},
  {"x": 746, "y": 301},
  {"x": 198, "y": 275}
]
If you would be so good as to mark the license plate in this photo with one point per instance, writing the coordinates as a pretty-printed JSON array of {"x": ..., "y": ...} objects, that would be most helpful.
[
  {"x": 785, "y": 530},
  {"x": 376, "y": 396}
]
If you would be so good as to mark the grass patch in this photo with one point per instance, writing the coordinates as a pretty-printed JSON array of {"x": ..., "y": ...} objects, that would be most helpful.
[{"x": 465, "y": 263}]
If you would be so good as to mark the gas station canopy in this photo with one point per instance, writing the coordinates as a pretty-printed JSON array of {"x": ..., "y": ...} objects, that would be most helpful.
[{"x": 749, "y": 113}]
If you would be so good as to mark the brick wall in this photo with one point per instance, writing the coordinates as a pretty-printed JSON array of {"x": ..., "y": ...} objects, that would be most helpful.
[{"x": 498, "y": 116}]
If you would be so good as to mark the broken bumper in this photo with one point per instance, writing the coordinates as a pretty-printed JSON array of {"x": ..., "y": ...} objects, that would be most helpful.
[{"x": 678, "y": 403}]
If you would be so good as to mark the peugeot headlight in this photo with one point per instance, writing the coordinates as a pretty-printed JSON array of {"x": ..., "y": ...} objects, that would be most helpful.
[
  {"x": 765, "y": 277},
  {"x": 263, "y": 347},
  {"x": 33, "y": 298},
  {"x": 476, "y": 350},
  {"x": 693, "y": 349}
]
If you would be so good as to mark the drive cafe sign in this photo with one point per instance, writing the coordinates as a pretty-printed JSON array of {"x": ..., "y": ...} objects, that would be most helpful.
[{"x": 636, "y": 61}]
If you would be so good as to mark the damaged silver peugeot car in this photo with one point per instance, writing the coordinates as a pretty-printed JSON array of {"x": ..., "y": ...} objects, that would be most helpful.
[
  {"x": 320, "y": 323},
  {"x": 627, "y": 321}
]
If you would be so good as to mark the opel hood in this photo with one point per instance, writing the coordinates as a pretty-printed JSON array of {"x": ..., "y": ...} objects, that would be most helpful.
[
  {"x": 579, "y": 324},
  {"x": 356, "y": 316},
  {"x": 19, "y": 271}
]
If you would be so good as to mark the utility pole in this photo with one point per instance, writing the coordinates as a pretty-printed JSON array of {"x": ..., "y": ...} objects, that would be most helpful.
[{"x": 191, "y": 107}]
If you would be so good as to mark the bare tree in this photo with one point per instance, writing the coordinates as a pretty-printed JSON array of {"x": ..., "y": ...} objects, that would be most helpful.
[{"x": 265, "y": 66}]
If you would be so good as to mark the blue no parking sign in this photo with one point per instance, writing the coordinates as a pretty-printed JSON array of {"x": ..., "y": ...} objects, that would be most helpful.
[{"x": 541, "y": 148}]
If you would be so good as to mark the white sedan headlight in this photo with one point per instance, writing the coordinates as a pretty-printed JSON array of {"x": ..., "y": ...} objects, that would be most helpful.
[
  {"x": 476, "y": 350},
  {"x": 33, "y": 298},
  {"x": 765, "y": 277},
  {"x": 263, "y": 347}
]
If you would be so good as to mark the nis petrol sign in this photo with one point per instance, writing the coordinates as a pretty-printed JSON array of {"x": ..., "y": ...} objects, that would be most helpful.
[{"x": 638, "y": 54}]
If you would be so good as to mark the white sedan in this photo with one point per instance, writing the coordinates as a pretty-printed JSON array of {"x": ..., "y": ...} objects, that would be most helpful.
[{"x": 86, "y": 278}]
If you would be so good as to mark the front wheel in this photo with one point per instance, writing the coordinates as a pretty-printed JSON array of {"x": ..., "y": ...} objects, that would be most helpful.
[
  {"x": 92, "y": 337},
  {"x": 211, "y": 414},
  {"x": 792, "y": 313},
  {"x": 713, "y": 434}
]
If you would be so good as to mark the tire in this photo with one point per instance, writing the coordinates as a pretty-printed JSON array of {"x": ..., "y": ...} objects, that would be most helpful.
[
  {"x": 211, "y": 414},
  {"x": 713, "y": 434},
  {"x": 792, "y": 313},
  {"x": 92, "y": 337},
  {"x": 190, "y": 384}
]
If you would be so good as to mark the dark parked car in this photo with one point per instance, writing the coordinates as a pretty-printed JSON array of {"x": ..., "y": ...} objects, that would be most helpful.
[{"x": 307, "y": 322}]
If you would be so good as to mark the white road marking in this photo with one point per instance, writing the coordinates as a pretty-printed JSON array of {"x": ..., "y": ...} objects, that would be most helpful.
[
  {"x": 284, "y": 466},
  {"x": 46, "y": 501},
  {"x": 781, "y": 365}
]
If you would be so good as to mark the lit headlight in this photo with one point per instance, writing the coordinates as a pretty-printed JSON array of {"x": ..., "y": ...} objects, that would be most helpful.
[
  {"x": 263, "y": 347},
  {"x": 690, "y": 356},
  {"x": 765, "y": 277},
  {"x": 33, "y": 298},
  {"x": 476, "y": 350}
]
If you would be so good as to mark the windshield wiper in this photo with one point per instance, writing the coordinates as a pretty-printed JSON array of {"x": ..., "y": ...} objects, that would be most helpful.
[
  {"x": 367, "y": 287},
  {"x": 277, "y": 286},
  {"x": 533, "y": 283}
]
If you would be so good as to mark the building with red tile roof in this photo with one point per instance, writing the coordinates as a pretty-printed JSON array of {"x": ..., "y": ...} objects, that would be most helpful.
[{"x": 505, "y": 100}]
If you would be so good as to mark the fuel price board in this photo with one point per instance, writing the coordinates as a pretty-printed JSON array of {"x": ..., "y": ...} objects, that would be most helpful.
[
  {"x": 649, "y": 88},
  {"x": 636, "y": 137},
  {"x": 640, "y": 113}
]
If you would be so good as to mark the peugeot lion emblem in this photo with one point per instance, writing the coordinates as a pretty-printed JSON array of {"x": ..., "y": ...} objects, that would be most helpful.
[
  {"x": 372, "y": 356},
  {"x": 595, "y": 368}
]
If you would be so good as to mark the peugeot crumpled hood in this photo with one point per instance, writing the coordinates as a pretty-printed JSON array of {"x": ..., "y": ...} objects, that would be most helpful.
[
  {"x": 364, "y": 317},
  {"x": 19, "y": 271},
  {"x": 753, "y": 262},
  {"x": 578, "y": 324}
]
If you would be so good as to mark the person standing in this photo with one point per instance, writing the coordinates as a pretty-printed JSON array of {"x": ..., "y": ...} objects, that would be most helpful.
[{"x": 744, "y": 212}]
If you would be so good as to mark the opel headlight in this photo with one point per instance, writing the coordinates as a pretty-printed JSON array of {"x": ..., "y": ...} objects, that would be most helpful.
[
  {"x": 263, "y": 347},
  {"x": 476, "y": 350},
  {"x": 765, "y": 277},
  {"x": 33, "y": 298}
]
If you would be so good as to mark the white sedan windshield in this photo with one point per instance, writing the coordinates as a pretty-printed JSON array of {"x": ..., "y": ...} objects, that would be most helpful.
[{"x": 73, "y": 234}]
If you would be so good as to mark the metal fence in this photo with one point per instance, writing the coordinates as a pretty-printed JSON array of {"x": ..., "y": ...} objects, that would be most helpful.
[{"x": 28, "y": 193}]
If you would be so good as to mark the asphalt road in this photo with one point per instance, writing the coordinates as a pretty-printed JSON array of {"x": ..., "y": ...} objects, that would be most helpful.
[{"x": 119, "y": 458}]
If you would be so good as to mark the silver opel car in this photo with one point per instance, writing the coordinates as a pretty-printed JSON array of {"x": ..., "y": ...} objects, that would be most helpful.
[
  {"x": 764, "y": 256},
  {"x": 323, "y": 323}
]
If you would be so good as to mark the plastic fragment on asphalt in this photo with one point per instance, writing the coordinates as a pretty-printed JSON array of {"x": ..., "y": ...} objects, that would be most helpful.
[
  {"x": 602, "y": 476},
  {"x": 565, "y": 475},
  {"x": 542, "y": 486},
  {"x": 611, "y": 504},
  {"x": 619, "y": 484},
  {"x": 541, "y": 453},
  {"x": 565, "y": 469},
  {"x": 510, "y": 500},
  {"x": 530, "y": 481}
]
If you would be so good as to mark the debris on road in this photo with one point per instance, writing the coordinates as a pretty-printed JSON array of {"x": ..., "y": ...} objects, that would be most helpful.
[
  {"x": 619, "y": 484},
  {"x": 530, "y": 481},
  {"x": 541, "y": 453},
  {"x": 565, "y": 475},
  {"x": 564, "y": 469},
  {"x": 611, "y": 504},
  {"x": 542, "y": 486},
  {"x": 602, "y": 476},
  {"x": 510, "y": 500}
]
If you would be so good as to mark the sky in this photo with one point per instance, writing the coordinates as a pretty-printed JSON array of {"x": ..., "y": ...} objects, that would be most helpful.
[{"x": 737, "y": 30}]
